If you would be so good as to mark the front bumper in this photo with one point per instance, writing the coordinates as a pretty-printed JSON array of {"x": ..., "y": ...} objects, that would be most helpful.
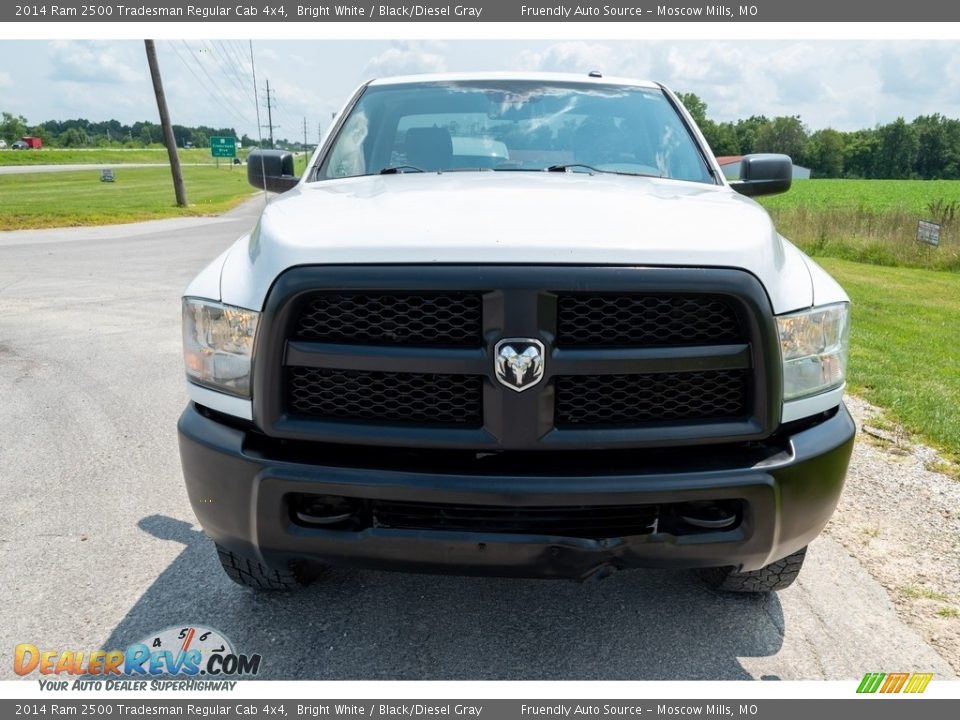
[{"x": 788, "y": 488}]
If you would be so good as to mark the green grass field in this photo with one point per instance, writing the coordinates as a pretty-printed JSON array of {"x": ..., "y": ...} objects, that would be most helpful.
[
  {"x": 116, "y": 156},
  {"x": 904, "y": 346},
  {"x": 871, "y": 221},
  {"x": 65, "y": 199}
]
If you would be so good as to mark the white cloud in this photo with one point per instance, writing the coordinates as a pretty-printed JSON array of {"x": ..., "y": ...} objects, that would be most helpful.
[
  {"x": 843, "y": 84},
  {"x": 95, "y": 62},
  {"x": 407, "y": 58},
  {"x": 569, "y": 56}
]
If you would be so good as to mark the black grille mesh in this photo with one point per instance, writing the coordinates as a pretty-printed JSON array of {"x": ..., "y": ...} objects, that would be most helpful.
[
  {"x": 385, "y": 397},
  {"x": 632, "y": 399},
  {"x": 644, "y": 320},
  {"x": 449, "y": 319}
]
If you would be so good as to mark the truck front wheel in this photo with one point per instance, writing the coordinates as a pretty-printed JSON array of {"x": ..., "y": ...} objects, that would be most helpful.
[
  {"x": 252, "y": 574},
  {"x": 770, "y": 578}
]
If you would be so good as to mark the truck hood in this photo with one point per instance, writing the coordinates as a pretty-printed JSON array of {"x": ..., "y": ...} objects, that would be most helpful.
[{"x": 514, "y": 218}]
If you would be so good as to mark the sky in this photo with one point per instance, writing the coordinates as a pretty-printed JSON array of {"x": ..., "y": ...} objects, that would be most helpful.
[{"x": 841, "y": 84}]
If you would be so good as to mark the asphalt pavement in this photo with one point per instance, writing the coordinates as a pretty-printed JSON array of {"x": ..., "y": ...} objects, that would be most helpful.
[{"x": 99, "y": 546}]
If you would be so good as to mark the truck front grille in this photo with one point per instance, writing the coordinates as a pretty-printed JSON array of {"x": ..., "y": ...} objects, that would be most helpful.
[
  {"x": 642, "y": 320},
  {"x": 635, "y": 399},
  {"x": 385, "y": 396},
  {"x": 632, "y": 357},
  {"x": 445, "y": 319}
]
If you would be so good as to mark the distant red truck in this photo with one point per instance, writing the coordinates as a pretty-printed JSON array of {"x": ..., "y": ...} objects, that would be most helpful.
[{"x": 34, "y": 143}]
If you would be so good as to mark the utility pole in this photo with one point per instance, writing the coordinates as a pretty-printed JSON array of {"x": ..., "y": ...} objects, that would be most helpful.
[
  {"x": 304, "y": 137},
  {"x": 168, "y": 138},
  {"x": 319, "y": 133},
  {"x": 269, "y": 124}
]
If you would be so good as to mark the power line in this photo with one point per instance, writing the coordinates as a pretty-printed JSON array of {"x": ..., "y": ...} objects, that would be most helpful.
[
  {"x": 230, "y": 68},
  {"x": 227, "y": 107},
  {"x": 224, "y": 64},
  {"x": 280, "y": 111},
  {"x": 269, "y": 124},
  {"x": 263, "y": 168},
  {"x": 213, "y": 88}
]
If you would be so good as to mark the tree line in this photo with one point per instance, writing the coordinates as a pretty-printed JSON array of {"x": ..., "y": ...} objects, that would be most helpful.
[
  {"x": 927, "y": 148},
  {"x": 81, "y": 133}
]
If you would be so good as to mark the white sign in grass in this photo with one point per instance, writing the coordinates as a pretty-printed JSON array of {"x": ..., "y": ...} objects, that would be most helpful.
[{"x": 928, "y": 232}]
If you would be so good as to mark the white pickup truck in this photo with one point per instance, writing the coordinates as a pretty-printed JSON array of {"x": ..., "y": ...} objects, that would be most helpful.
[{"x": 514, "y": 324}]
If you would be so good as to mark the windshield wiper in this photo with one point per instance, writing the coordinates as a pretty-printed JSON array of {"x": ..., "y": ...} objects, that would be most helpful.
[
  {"x": 591, "y": 169},
  {"x": 570, "y": 166},
  {"x": 398, "y": 169}
]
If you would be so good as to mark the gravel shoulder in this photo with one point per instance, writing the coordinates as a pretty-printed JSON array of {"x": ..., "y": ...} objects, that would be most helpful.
[{"x": 901, "y": 520}]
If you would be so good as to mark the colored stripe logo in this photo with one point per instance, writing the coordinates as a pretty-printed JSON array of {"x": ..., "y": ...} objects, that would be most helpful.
[{"x": 894, "y": 683}]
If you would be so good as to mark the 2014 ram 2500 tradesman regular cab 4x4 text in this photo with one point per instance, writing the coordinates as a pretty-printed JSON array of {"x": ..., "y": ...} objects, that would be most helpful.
[{"x": 514, "y": 325}]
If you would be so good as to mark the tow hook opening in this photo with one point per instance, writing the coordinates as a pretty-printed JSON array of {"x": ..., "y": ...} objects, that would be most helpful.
[
  {"x": 326, "y": 511},
  {"x": 709, "y": 515}
]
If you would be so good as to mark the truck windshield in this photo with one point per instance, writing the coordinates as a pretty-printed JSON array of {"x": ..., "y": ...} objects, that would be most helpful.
[{"x": 514, "y": 125}]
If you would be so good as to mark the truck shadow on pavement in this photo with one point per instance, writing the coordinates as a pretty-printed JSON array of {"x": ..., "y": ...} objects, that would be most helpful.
[{"x": 639, "y": 625}]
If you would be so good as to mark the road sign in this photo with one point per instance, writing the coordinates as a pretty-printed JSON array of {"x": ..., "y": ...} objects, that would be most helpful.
[{"x": 223, "y": 147}]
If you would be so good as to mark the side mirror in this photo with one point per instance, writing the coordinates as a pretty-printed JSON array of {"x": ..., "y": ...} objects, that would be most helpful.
[
  {"x": 271, "y": 170},
  {"x": 764, "y": 174}
]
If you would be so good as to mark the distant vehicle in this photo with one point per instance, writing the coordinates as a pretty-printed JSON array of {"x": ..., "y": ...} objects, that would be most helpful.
[
  {"x": 32, "y": 142},
  {"x": 3, "y": 144},
  {"x": 19, "y": 145}
]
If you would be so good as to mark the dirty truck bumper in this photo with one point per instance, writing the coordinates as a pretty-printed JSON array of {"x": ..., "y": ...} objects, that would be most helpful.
[{"x": 783, "y": 491}]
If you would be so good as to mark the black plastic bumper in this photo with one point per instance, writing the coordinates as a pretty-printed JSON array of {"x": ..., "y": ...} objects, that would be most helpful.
[{"x": 788, "y": 489}]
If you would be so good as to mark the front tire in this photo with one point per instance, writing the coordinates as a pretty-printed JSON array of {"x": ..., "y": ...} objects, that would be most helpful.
[
  {"x": 770, "y": 578},
  {"x": 252, "y": 574}
]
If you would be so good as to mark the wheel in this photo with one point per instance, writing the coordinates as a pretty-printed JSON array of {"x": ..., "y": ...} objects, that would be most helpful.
[
  {"x": 252, "y": 574},
  {"x": 770, "y": 578}
]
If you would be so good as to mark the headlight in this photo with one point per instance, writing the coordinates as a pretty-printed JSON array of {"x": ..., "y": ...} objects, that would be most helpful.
[
  {"x": 813, "y": 344},
  {"x": 218, "y": 345}
]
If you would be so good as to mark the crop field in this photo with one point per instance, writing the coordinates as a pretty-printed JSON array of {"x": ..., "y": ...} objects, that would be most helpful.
[
  {"x": 871, "y": 221},
  {"x": 868, "y": 195}
]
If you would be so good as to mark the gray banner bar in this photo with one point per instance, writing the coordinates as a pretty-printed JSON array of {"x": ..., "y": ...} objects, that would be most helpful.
[
  {"x": 480, "y": 11},
  {"x": 877, "y": 708}
]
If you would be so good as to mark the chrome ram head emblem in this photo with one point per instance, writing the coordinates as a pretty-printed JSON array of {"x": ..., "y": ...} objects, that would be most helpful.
[{"x": 519, "y": 362}]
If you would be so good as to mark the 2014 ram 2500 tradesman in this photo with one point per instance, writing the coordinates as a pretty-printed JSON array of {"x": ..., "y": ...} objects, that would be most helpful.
[{"x": 514, "y": 325}]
